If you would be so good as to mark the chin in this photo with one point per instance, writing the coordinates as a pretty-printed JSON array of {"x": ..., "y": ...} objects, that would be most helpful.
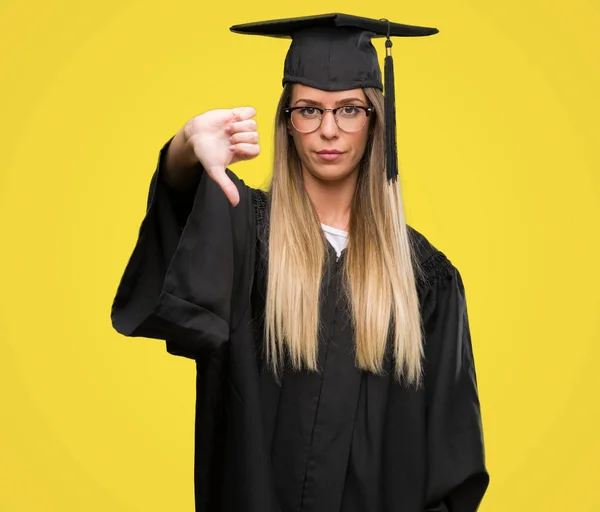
[{"x": 329, "y": 172}]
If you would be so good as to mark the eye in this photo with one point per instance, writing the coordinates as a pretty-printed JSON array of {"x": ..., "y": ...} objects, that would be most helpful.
[
  {"x": 350, "y": 111},
  {"x": 309, "y": 112}
]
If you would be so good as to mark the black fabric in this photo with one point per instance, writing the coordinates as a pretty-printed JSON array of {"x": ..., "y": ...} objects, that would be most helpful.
[
  {"x": 339, "y": 440},
  {"x": 332, "y": 52}
]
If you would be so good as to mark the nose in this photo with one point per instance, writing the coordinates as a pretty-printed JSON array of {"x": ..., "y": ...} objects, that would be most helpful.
[{"x": 329, "y": 128}]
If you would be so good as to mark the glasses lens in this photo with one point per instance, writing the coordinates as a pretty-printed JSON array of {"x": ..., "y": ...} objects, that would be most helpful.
[
  {"x": 351, "y": 119},
  {"x": 306, "y": 119}
]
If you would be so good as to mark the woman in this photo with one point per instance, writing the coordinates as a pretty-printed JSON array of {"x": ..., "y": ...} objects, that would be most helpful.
[{"x": 334, "y": 359}]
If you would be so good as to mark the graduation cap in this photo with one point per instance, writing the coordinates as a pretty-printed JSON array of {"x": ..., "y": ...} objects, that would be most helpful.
[{"x": 334, "y": 52}]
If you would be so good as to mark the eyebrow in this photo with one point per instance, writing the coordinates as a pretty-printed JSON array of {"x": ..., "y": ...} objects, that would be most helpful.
[{"x": 345, "y": 100}]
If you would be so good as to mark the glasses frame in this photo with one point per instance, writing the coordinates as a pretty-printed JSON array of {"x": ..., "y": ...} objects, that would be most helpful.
[{"x": 368, "y": 110}]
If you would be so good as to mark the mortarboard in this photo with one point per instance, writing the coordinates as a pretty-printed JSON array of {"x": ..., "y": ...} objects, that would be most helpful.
[{"x": 334, "y": 52}]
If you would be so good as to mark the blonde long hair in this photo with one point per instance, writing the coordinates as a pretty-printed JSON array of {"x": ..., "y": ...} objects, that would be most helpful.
[{"x": 378, "y": 272}]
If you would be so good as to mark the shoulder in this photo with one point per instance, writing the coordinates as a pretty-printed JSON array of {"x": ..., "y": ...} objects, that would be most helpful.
[
  {"x": 430, "y": 263},
  {"x": 252, "y": 200},
  {"x": 422, "y": 247},
  {"x": 259, "y": 198},
  {"x": 260, "y": 203}
]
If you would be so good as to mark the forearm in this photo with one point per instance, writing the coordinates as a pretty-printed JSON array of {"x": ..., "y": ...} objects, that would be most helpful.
[{"x": 181, "y": 167}]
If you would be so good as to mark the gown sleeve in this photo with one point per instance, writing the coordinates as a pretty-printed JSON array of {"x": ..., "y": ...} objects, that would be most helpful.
[
  {"x": 179, "y": 282},
  {"x": 457, "y": 474}
]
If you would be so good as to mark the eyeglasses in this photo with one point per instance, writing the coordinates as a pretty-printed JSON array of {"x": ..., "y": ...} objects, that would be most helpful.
[{"x": 349, "y": 118}]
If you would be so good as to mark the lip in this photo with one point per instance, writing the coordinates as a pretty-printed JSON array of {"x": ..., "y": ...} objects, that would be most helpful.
[{"x": 329, "y": 155}]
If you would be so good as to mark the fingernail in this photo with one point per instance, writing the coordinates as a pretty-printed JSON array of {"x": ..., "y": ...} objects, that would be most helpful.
[{"x": 231, "y": 148}]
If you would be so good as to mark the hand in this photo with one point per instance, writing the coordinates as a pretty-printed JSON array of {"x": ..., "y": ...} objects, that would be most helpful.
[{"x": 220, "y": 138}]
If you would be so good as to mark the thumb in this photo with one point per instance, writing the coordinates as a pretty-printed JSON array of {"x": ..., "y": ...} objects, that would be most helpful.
[{"x": 220, "y": 177}]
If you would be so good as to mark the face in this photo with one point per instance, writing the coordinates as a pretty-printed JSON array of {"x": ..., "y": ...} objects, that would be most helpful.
[{"x": 312, "y": 147}]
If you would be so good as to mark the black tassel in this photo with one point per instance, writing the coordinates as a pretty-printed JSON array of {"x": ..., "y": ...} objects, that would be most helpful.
[{"x": 391, "y": 150}]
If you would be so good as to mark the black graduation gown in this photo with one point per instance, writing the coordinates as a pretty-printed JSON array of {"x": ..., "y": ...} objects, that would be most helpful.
[{"x": 336, "y": 440}]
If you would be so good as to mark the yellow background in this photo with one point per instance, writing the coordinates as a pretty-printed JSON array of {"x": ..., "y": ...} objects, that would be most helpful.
[{"x": 498, "y": 142}]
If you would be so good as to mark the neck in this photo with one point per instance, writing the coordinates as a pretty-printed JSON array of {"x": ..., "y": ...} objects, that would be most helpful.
[{"x": 332, "y": 199}]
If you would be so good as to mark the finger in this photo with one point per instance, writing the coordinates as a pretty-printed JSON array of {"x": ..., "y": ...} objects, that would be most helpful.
[
  {"x": 226, "y": 185},
  {"x": 243, "y": 113},
  {"x": 247, "y": 137},
  {"x": 244, "y": 151},
  {"x": 243, "y": 126},
  {"x": 217, "y": 117}
]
